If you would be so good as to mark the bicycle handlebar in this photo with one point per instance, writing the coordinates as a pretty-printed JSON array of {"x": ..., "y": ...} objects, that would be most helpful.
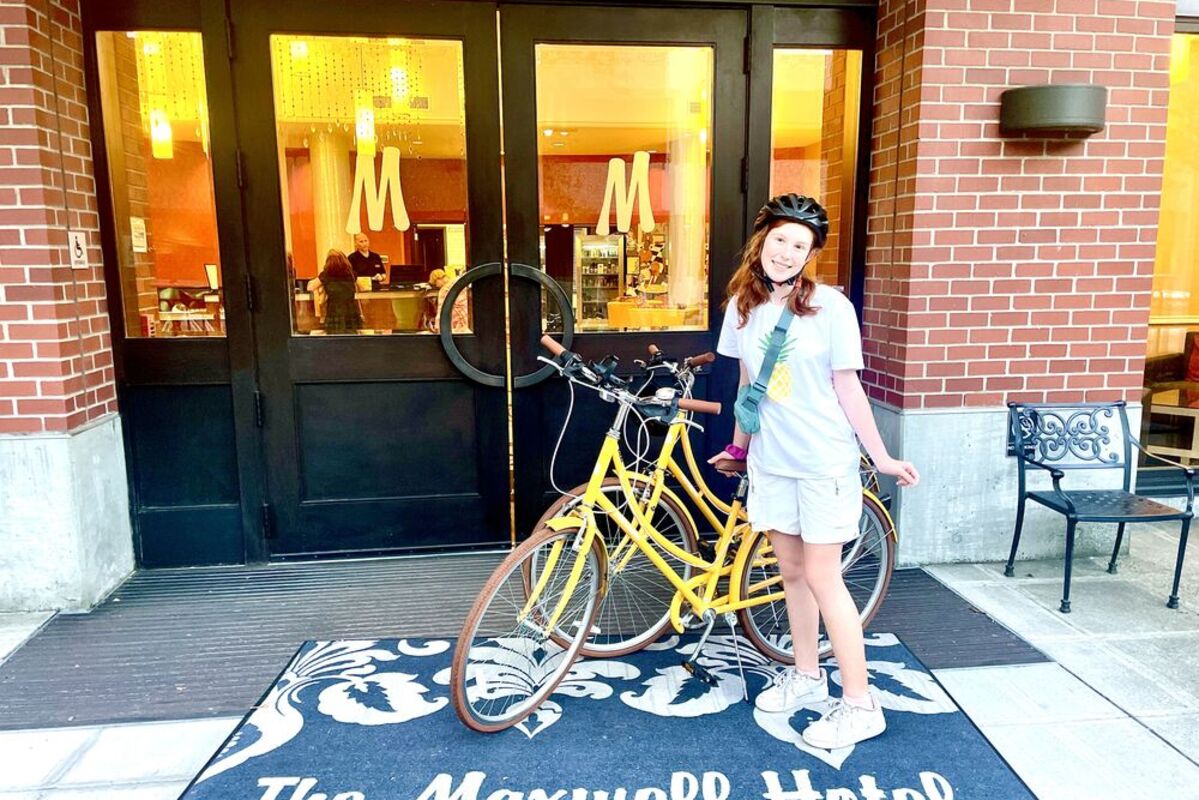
[
  {"x": 691, "y": 361},
  {"x": 684, "y": 403},
  {"x": 699, "y": 406}
]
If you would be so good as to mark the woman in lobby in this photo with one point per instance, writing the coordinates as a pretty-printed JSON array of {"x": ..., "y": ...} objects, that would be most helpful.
[
  {"x": 804, "y": 487},
  {"x": 342, "y": 314},
  {"x": 460, "y": 316}
]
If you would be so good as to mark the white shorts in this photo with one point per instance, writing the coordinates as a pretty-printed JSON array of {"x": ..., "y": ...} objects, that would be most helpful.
[{"x": 821, "y": 510}]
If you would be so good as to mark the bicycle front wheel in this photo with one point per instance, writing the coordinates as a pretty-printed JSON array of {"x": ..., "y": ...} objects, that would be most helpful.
[
  {"x": 636, "y": 608},
  {"x": 866, "y": 566},
  {"x": 519, "y": 642}
]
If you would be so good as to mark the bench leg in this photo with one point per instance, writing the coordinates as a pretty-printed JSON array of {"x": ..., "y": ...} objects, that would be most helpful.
[
  {"x": 1182, "y": 551},
  {"x": 1008, "y": 570},
  {"x": 1111, "y": 565},
  {"x": 1070, "y": 525}
]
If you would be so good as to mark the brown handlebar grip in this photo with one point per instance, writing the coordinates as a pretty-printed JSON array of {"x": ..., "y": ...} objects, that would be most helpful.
[
  {"x": 701, "y": 359},
  {"x": 700, "y": 406},
  {"x": 550, "y": 344},
  {"x": 653, "y": 350}
]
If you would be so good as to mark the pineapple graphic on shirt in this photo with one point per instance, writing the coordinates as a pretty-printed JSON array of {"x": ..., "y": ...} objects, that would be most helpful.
[{"x": 779, "y": 387}]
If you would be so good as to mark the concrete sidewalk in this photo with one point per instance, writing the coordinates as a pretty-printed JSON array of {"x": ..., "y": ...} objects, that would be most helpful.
[{"x": 1117, "y": 716}]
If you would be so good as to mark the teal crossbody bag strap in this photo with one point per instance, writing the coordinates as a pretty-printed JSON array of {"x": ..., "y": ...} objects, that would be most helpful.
[{"x": 757, "y": 390}]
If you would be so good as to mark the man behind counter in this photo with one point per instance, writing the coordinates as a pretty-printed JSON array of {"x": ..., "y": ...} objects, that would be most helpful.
[{"x": 366, "y": 263}]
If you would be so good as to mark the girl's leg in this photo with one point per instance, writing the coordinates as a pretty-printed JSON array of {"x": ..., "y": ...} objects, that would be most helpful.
[
  {"x": 822, "y": 573},
  {"x": 802, "y": 611}
]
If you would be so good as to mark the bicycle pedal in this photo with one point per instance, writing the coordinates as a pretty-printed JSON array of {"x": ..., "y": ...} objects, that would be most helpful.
[{"x": 701, "y": 672}]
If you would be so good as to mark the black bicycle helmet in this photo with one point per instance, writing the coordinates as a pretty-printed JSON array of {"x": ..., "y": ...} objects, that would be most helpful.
[{"x": 796, "y": 208}]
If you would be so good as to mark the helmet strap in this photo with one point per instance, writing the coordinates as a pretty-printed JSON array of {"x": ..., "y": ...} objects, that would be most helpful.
[{"x": 770, "y": 284}]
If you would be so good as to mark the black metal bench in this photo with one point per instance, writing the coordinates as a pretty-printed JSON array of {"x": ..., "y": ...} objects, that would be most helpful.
[{"x": 1058, "y": 437}]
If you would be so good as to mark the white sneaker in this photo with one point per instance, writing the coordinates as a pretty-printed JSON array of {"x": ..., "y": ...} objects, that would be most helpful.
[
  {"x": 844, "y": 725},
  {"x": 791, "y": 690}
]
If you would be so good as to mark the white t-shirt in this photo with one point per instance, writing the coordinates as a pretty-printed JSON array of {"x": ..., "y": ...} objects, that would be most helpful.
[{"x": 804, "y": 432}]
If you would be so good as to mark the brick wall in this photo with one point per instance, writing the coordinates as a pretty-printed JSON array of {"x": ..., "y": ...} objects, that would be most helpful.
[
  {"x": 56, "y": 370},
  {"x": 1012, "y": 268}
]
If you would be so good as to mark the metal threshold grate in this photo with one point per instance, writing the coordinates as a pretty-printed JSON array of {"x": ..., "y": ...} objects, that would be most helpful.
[{"x": 178, "y": 644}]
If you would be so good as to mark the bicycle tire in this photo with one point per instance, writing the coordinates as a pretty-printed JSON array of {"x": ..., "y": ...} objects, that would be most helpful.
[
  {"x": 766, "y": 626},
  {"x": 497, "y": 659},
  {"x": 623, "y": 627}
]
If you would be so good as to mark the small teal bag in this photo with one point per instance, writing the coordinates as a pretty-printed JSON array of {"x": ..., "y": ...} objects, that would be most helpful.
[{"x": 750, "y": 396}]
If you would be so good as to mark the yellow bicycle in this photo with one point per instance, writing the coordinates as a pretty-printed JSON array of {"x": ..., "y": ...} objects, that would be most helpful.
[{"x": 590, "y": 579}]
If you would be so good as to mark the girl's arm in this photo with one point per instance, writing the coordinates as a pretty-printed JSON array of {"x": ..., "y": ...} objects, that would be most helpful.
[
  {"x": 857, "y": 410},
  {"x": 740, "y": 437}
]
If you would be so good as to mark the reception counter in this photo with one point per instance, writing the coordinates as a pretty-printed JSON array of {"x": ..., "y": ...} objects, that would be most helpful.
[
  {"x": 391, "y": 310},
  {"x": 652, "y": 314}
]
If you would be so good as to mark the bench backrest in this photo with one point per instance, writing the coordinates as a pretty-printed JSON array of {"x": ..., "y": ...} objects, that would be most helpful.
[{"x": 1072, "y": 436}]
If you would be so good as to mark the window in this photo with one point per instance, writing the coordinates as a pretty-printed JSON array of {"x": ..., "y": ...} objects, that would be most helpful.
[
  {"x": 372, "y": 167},
  {"x": 155, "y": 111},
  {"x": 1171, "y": 404},
  {"x": 624, "y": 164},
  {"x": 814, "y": 142}
]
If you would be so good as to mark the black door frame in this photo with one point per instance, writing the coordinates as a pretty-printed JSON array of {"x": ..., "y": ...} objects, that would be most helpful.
[
  {"x": 165, "y": 362},
  {"x": 287, "y": 361},
  {"x": 851, "y": 28}
]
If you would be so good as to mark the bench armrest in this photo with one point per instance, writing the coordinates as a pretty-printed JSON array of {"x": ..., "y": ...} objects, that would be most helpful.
[
  {"x": 1057, "y": 476},
  {"x": 1054, "y": 471},
  {"x": 1187, "y": 471}
]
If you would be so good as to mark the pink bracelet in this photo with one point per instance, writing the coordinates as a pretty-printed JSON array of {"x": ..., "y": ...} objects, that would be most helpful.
[{"x": 736, "y": 452}]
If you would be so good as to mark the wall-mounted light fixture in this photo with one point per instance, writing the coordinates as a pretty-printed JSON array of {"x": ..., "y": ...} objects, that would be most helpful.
[{"x": 1053, "y": 109}]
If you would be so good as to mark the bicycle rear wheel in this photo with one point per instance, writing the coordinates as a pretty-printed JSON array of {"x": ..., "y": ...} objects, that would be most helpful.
[
  {"x": 636, "y": 607},
  {"x": 506, "y": 662},
  {"x": 866, "y": 565}
]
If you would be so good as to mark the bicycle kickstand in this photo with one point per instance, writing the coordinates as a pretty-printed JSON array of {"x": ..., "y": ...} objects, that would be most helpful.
[
  {"x": 692, "y": 664},
  {"x": 731, "y": 619}
]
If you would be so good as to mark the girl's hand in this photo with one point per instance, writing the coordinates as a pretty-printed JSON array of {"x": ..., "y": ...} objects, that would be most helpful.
[
  {"x": 716, "y": 460},
  {"x": 904, "y": 471}
]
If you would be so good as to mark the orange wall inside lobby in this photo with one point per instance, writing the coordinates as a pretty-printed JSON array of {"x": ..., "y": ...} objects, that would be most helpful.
[
  {"x": 182, "y": 216},
  {"x": 434, "y": 194}
]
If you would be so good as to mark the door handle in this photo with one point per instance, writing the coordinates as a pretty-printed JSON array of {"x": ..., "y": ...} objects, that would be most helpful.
[{"x": 524, "y": 272}]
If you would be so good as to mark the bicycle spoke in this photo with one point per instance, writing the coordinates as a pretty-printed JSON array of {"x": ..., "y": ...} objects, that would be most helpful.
[{"x": 507, "y": 661}]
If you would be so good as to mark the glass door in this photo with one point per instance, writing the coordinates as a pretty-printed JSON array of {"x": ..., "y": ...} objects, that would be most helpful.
[
  {"x": 809, "y": 125},
  {"x": 624, "y": 134},
  {"x": 370, "y": 141},
  {"x": 161, "y": 120}
]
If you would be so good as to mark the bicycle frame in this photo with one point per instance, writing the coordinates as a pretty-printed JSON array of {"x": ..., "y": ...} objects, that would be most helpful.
[{"x": 699, "y": 592}]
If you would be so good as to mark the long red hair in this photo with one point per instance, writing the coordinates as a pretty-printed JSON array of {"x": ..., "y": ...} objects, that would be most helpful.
[
  {"x": 749, "y": 288},
  {"x": 337, "y": 267}
]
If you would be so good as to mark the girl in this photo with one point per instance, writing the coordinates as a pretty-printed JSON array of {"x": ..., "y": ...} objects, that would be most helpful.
[{"x": 804, "y": 485}]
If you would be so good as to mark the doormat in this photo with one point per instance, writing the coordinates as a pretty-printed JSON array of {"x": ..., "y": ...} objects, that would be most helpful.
[{"x": 371, "y": 720}]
